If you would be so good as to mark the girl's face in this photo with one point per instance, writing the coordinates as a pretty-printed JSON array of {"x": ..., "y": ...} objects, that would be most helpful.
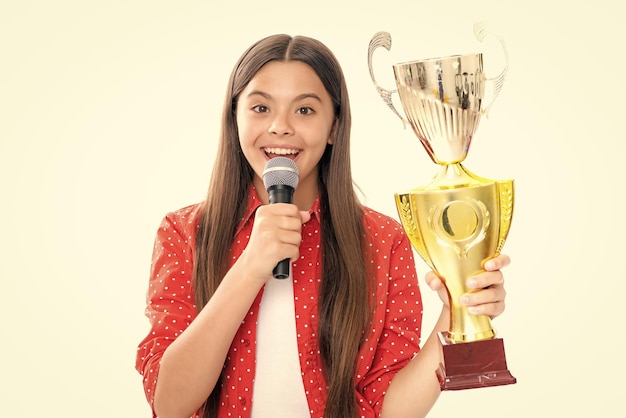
[{"x": 286, "y": 111}]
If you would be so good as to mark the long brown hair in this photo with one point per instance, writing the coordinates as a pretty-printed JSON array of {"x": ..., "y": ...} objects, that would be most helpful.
[{"x": 344, "y": 303}]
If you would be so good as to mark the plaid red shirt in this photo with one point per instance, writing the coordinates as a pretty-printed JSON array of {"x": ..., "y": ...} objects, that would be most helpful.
[{"x": 392, "y": 341}]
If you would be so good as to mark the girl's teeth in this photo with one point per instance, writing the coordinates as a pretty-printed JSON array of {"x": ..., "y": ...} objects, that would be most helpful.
[{"x": 281, "y": 151}]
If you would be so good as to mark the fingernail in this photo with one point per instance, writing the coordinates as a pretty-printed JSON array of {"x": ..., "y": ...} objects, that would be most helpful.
[
  {"x": 490, "y": 265},
  {"x": 464, "y": 299},
  {"x": 472, "y": 283},
  {"x": 472, "y": 309}
]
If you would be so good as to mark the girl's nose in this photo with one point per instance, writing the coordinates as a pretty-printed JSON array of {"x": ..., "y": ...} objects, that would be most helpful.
[{"x": 280, "y": 126}]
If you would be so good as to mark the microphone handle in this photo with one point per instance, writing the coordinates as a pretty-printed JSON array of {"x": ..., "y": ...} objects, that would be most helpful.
[
  {"x": 281, "y": 271},
  {"x": 281, "y": 193}
]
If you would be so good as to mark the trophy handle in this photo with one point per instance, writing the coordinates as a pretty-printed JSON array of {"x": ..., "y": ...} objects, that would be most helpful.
[
  {"x": 480, "y": 30},
  {"x": 506, "y": 194},
  {"x": 382, "y": 39}
]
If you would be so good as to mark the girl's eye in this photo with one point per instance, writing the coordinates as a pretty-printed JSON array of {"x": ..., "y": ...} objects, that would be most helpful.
[
  {"x": 259, "y": 109},
  {"x": 305, "y": 110}
]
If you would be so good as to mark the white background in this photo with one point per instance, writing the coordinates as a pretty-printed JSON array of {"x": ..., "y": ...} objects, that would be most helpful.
[{"x": 109, "y": 115}]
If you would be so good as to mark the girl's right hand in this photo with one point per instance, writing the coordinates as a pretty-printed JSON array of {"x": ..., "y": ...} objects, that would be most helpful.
[{"x": 276, "y": 235}]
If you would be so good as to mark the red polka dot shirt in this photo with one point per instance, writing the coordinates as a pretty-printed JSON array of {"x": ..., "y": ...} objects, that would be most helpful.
[{"x": 390, "y": 344}]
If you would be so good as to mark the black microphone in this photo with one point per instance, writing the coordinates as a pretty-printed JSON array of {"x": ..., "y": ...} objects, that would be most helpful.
[{"x": 280, "y": 178}]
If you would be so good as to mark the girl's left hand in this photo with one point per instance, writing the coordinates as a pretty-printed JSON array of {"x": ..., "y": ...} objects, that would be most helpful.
[{"x": 487, "y": 295}]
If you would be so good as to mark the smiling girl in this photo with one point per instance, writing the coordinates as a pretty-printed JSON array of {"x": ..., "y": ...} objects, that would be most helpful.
[{"x": 338, "y": 339}]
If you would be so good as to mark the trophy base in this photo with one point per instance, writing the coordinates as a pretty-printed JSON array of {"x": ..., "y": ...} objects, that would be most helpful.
[{"x": 475, "y": 364}]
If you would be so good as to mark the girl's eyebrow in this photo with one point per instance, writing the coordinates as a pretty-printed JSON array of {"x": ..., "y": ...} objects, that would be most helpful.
[
  {"x": 259, "y": 93},
  {"x": 308, "y": 96}
]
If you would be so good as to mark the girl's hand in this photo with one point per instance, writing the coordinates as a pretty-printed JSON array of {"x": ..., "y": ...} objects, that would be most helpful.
[
  {"x": 276, "y": 235},
  {"x": 489, "y": 294}
]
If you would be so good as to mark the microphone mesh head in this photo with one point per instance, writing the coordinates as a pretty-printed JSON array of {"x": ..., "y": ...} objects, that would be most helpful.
[{"x": 281, "y": 171}]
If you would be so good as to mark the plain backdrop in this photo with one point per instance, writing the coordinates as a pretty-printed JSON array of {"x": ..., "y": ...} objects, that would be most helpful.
[{"x": 109, "y": 114}]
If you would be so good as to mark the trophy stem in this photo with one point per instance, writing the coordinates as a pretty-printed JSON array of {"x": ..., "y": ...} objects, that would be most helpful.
[
  {"x": 464, "y": 326},
  {"x": 452, "y": 176}
]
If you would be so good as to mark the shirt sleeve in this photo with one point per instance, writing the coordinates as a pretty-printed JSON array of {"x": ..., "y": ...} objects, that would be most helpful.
[
  {"x": 170, "y": 304},
  {"x": 400, "y": 318}
]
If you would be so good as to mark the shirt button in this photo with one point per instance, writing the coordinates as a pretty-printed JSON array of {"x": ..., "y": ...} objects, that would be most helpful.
[
  {"x": 246, "y": 343},
  {"x": 242, "y": 401}
]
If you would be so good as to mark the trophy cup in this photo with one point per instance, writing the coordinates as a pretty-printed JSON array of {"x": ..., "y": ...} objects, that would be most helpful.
[{"x": 458, "y": 220}]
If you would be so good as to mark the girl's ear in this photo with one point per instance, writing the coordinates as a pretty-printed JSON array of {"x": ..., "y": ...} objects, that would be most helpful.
[{"x": 333, "y": 133}]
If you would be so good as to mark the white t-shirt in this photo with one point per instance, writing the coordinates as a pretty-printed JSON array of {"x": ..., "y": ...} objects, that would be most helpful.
[{"x": 278, "y": 389}]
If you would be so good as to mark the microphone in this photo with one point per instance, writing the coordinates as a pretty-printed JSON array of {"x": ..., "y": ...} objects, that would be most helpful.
[{"x": 280, "y": 178}]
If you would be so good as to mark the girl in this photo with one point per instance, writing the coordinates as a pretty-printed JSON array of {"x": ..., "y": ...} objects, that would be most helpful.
[{"x": 336, "y": 340}]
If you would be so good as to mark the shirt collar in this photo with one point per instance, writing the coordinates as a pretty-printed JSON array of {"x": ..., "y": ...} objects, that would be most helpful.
[{"x": 254, "y": 201}]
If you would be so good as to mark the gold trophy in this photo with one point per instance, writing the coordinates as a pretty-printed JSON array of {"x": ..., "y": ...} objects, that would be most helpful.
[{"x": 458, "y": 220}]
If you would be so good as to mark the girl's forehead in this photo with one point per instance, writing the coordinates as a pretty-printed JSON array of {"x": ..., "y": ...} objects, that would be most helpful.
[
  {"x": 291, "y": 77},
  {"x": 275, "y": 71}
]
